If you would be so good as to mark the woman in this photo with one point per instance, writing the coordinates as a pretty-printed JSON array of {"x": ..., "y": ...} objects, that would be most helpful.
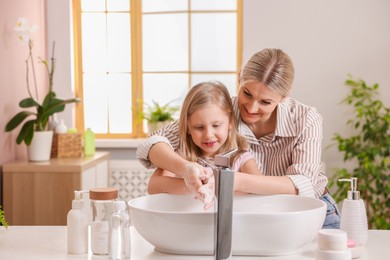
[{"x": 284, "y": 136}]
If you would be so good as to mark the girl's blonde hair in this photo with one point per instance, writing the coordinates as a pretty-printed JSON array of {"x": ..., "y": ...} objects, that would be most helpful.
[
  {"x": 199, "y": 96},
  {"x": 272, "y": 67}
]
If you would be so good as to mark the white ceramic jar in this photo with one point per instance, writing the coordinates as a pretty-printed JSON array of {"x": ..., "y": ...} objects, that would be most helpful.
[{"x": 332, "y": 245}]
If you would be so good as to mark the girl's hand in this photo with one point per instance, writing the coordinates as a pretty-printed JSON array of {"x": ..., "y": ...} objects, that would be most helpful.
[
  {"x": 195, "y": 176},
  {"x": 207, "y": 193}
]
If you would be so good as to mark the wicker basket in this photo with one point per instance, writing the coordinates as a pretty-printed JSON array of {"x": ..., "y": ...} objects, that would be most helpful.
[{"x": 67, "y": 146}]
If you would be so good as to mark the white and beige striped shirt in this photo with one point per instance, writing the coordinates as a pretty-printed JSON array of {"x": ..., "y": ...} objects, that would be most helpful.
[{"x": 293, "y": 150}]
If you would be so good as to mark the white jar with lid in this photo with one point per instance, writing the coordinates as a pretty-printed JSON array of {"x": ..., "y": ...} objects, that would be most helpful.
[
  {"x": 332, "y": 239},
  {"x": 332, "y": 245}
]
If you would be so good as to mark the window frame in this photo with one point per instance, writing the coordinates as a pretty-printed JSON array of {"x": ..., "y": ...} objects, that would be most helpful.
[{"x": 136, "y": 64}]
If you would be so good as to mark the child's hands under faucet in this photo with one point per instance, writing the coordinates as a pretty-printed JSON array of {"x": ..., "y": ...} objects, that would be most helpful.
[
  {"x": 195, "y": 174},
  {"x": 207, "y": 192}
]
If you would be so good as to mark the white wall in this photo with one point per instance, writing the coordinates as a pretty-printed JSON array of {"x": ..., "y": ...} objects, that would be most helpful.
[
  {"x": 326, "y": 40},
  {"x": 59, "y": 26},
  {"x": 13, "y": 86}
]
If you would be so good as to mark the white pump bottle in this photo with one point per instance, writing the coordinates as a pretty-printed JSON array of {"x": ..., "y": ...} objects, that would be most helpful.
[
  {"x": 354, "y": 219},
  {"x": 77, "y": 226}
]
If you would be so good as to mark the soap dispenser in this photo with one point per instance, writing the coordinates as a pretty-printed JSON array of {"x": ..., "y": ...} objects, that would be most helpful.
[
  {"x": 354, "y": 219},
  {"x": 77, "y": 226}
]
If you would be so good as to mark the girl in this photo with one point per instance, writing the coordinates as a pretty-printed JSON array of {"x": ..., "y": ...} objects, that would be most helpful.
[{"x": 207, "y": 127}]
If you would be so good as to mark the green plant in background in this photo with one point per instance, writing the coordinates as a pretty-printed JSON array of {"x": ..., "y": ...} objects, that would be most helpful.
[
  {"x": 369, "y": 149},
  {"x": 159, "y": 113},
  {"x": 3, "y": 222}
]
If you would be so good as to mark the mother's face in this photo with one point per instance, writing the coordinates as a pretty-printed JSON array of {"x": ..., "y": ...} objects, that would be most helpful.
[{"x": 256, "y": 102}]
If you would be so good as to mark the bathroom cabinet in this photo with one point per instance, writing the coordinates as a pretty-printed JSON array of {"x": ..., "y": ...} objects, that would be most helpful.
[{"x": 41, "y": 193}]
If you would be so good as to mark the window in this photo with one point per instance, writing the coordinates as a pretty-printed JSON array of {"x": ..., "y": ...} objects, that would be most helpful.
[{"x": 128, "y": 53}]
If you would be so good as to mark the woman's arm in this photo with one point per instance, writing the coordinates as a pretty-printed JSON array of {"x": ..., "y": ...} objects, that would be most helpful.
[
  {"x": 163, "y": 181},
  {"x": 264, "y": 185},
  {"x": 250, "y": 180}
]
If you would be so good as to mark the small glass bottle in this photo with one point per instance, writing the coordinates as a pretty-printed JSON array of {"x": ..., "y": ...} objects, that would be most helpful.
[
  {"x": 119, "y": 243},
  {"x": 101, "y": 203}
]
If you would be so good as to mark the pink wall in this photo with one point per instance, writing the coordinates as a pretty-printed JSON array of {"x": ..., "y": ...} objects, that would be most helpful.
[{"x": 12, "y": 67}]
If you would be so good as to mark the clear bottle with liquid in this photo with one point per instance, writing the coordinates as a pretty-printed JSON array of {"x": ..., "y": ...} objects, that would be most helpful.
[
  {"x": 119, "y": 243},
  {"x": 101, "y": 203}
]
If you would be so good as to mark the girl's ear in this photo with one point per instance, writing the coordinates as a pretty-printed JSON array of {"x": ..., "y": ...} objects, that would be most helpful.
[{"x": 230, "y": 124}]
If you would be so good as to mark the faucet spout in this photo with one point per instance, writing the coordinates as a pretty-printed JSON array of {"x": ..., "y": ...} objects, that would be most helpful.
[{"x": 224, "y": 183}]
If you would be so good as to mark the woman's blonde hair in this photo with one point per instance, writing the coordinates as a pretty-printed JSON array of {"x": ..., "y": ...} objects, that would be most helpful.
[
  {"x": 272, "y": 67},
  {"x": 199, "y": 96}
]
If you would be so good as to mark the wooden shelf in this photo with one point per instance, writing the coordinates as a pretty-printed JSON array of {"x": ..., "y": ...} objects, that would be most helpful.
[{"x": 41, "y": 193}]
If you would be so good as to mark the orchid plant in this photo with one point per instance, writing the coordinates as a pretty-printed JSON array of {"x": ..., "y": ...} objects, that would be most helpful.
[{"x": 38, "y": 120}]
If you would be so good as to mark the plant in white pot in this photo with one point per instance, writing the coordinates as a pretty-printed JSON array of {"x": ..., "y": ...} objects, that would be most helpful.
[
  {"x": 34, "y": 123},
  {"x": 158, "y": 115}
]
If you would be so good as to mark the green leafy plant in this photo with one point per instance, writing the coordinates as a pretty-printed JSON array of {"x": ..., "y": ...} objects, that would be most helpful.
[
  {"x": 3, "y": 222},
  {"x": 369, "y": 150},
  {"x": 35, "y": 120},
  {"x": 159, "y": 113}
]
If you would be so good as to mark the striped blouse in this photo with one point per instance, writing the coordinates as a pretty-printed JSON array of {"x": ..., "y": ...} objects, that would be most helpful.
[{"x": 293, "y": 150}]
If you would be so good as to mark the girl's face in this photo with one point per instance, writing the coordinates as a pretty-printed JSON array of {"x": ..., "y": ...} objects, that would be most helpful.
[
  {"x": 256, "y": 102},
  {"x": 209, "y": 129}
]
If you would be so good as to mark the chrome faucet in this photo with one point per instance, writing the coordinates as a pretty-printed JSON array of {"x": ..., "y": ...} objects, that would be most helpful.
[{"x": 223, "y": 220}]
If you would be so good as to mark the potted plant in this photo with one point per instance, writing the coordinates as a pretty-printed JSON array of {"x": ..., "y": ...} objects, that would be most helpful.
[
  {"x": 35, "y": 122},
  {"x": 158, "y": 115},
  {"x": 368, "y": 148}
]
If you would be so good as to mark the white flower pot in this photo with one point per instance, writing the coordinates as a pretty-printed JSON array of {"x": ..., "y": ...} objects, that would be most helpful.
[
  {"x": 155, "y": 126},
  {"x": 40, "y": 148}
]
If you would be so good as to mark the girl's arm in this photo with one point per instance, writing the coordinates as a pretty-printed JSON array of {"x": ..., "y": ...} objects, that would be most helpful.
[
  {"x": 250, "y": 167},
  {"x": 159, "y": 150},
  {"x": 163, "y": 181}
]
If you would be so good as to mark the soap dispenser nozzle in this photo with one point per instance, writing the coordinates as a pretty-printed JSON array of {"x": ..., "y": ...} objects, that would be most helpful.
[
  {"x": 353, "y": 194},
  {"x": 79, "y": 193}
]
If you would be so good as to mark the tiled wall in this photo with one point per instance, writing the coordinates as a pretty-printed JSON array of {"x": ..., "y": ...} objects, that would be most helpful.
[{"x": 130, "y": 178}]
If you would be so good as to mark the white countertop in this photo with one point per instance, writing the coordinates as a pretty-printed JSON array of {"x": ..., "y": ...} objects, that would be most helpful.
[{"x": 49, "y": 242}]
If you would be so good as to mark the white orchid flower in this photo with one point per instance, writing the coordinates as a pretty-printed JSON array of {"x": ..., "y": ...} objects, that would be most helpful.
[{"x": 24, "y": 30}]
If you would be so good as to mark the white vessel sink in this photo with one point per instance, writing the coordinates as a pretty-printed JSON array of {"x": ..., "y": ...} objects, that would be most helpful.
[{"x": 262, "y": 225}]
